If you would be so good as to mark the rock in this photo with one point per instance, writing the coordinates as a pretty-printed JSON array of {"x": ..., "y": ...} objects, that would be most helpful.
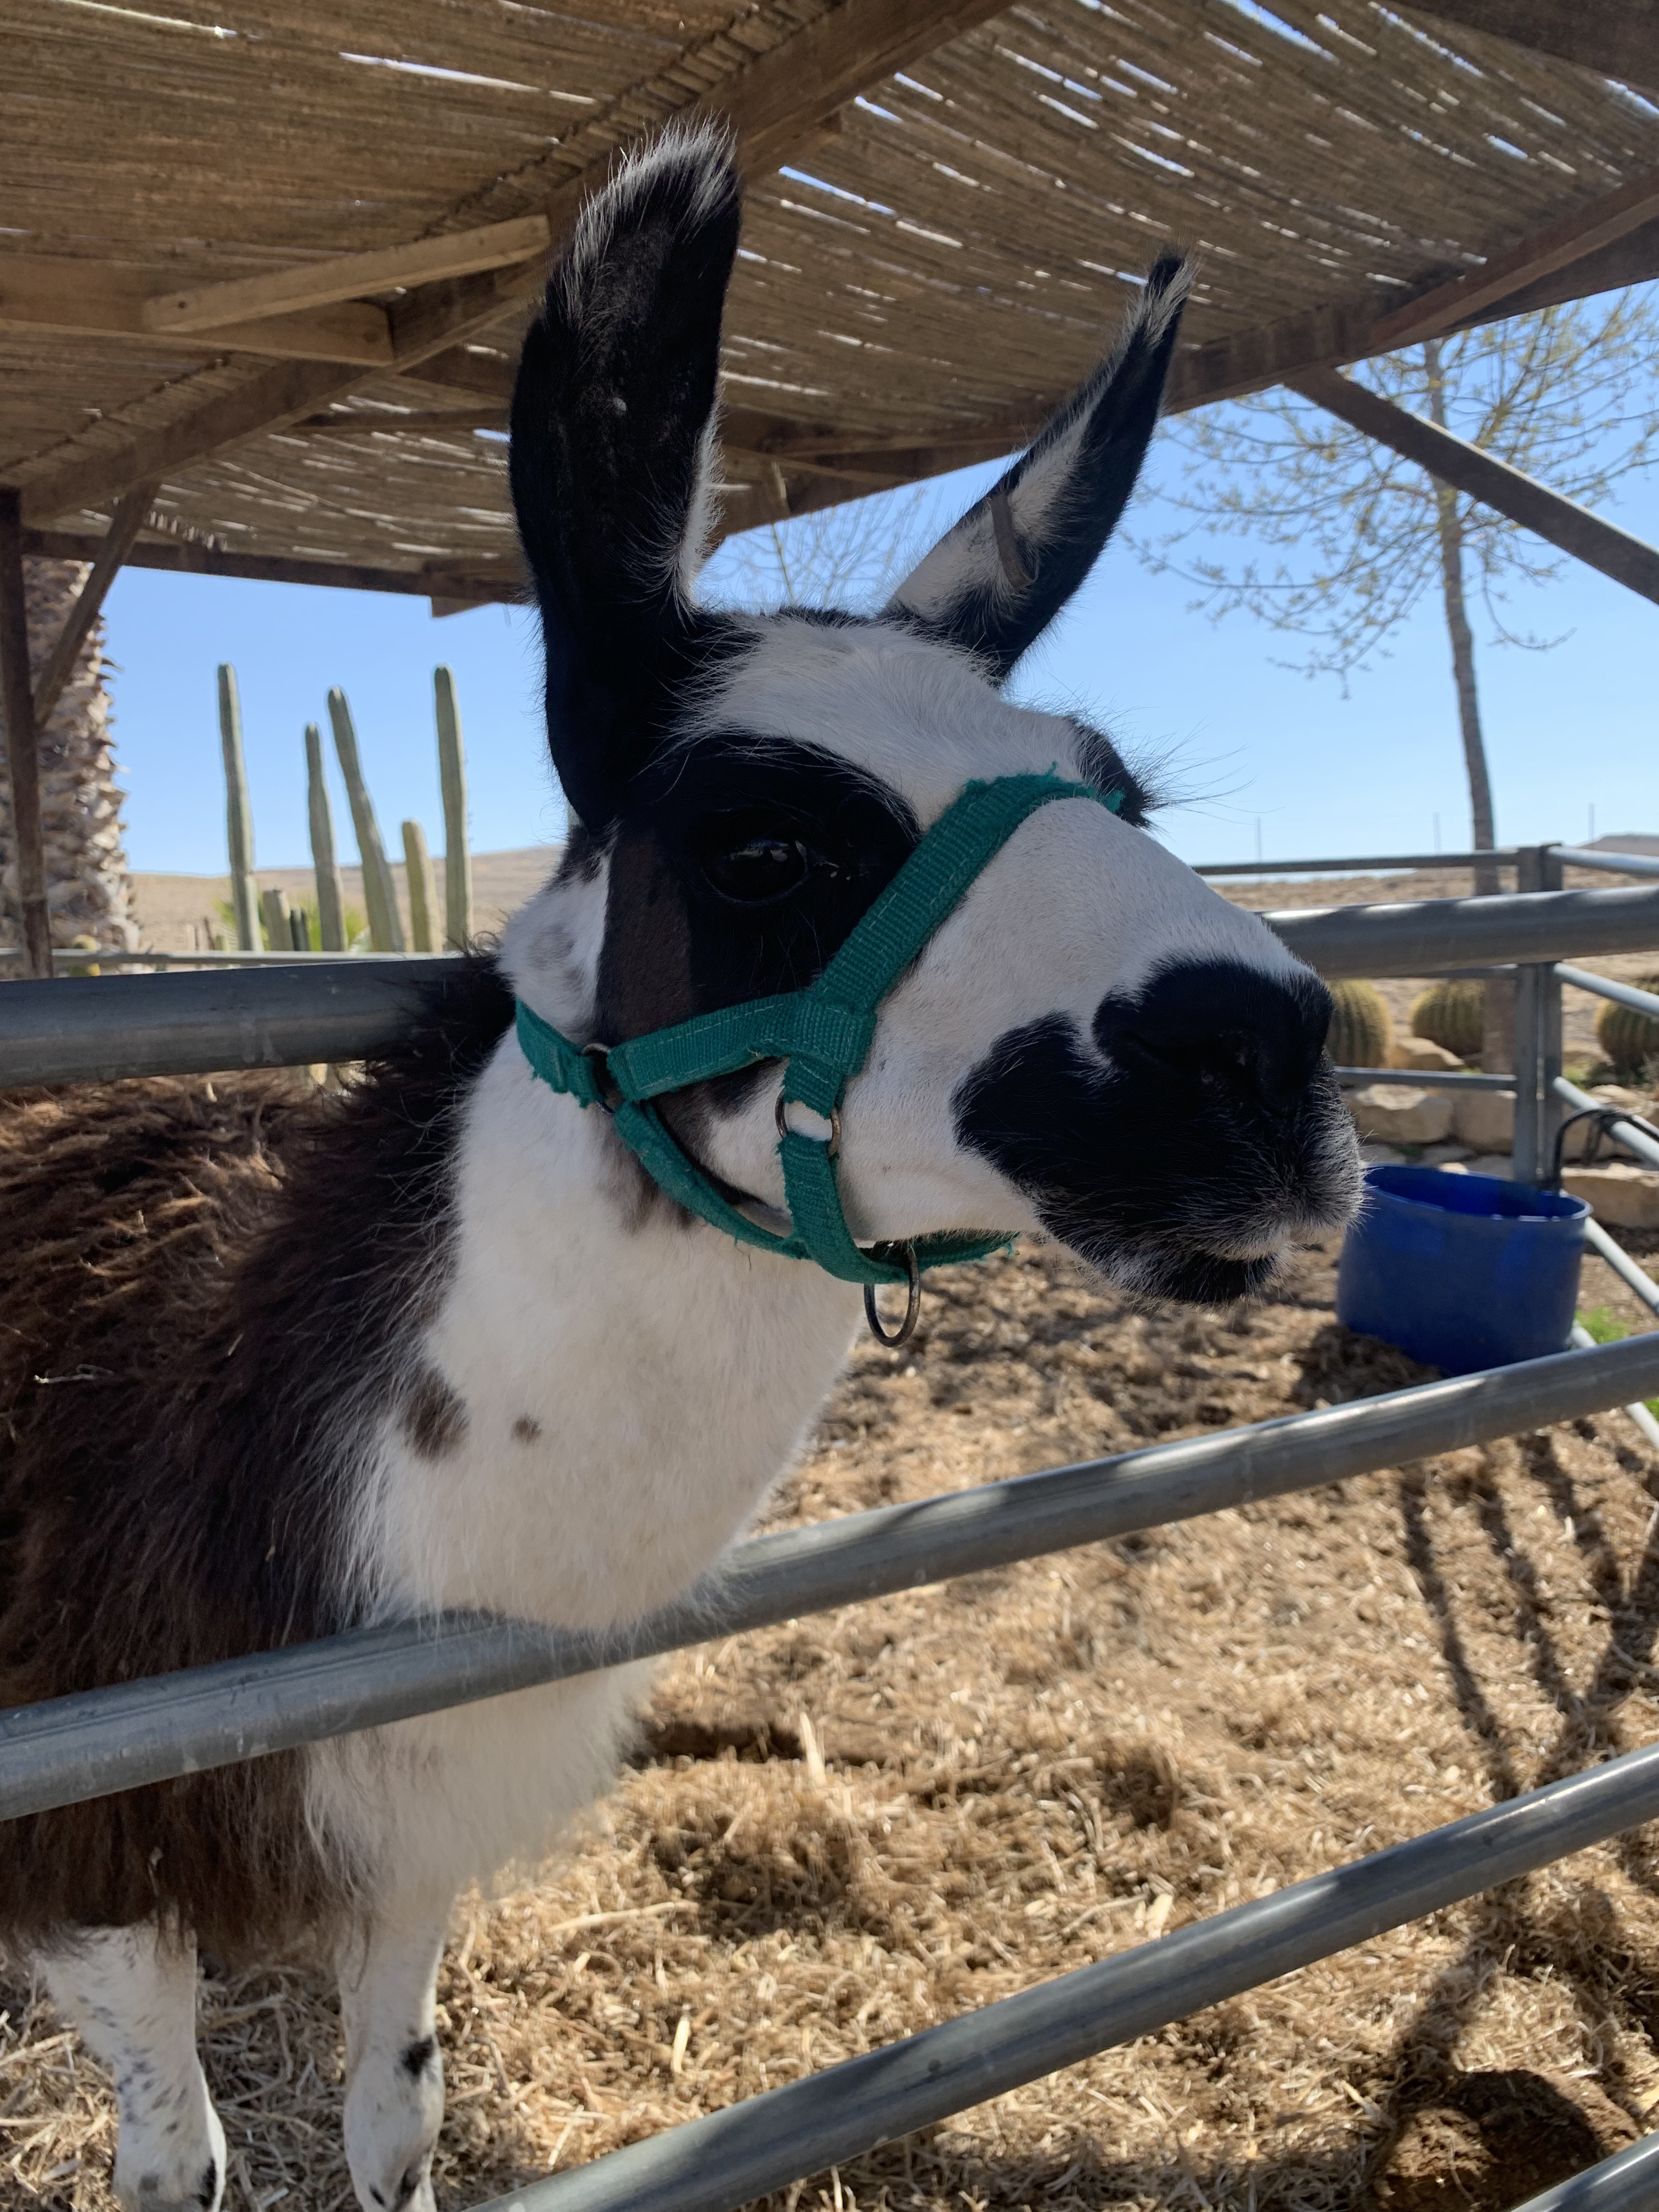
[
  {"x": 1624, "y": 1196},
  {"x": 1485, "y": 1120},
  {"x": 1399, "y": 1115},
  {"x": 1440, "y": 1155},
  {"x": 1380, "y": 1156},
  {"x": 1420, "y": 1052},
  {"x": 1491, "y": 1164}
]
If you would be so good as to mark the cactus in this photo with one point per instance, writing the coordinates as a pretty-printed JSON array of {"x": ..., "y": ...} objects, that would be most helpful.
[
  {"x": 386, "y": 929},
  {"x": 1452, "y": 1015},
  {"x": 279, "y": 932},
  {"x": 452, "y": 770},
  {"x": 1362, "y": 1028},
  {"x": 423, "y": 888},
  {"x": 1629, "y": 1038},
  {"x": 238, "y": 815},
  {"x": 331, "y": 892}
]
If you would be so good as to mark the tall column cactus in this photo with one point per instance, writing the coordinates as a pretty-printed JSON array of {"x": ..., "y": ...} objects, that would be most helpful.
[
  {"x": 238, "y": 815},
  {"x": 423, "y": 888},
  {"x": 331, "y": 893},
  {"x": 386, "y": 929},
  {"x": 452, "y": 771}
]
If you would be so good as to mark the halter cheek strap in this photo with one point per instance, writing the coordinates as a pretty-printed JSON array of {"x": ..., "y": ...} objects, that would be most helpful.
[{"x": 823, "y": 1036}]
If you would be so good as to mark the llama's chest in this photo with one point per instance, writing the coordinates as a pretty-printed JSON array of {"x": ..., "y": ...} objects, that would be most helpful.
[{"x": 598, "y": 1407}]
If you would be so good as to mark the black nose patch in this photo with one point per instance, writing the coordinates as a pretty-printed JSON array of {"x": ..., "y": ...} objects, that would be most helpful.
[
  {"x": 1219, "y": 1024},
  {"x": 1206, "y": 1126}
]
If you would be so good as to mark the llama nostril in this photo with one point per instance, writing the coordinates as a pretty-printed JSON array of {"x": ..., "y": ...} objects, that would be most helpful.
[{"x": 1217, "y": 1024}]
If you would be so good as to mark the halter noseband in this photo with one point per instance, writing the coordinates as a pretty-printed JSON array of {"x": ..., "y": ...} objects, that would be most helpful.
[{"x": 823, "y": 1034}]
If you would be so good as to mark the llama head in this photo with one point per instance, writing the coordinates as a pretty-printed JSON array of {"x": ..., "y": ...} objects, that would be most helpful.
[{"x": 1094, "y": 1042}]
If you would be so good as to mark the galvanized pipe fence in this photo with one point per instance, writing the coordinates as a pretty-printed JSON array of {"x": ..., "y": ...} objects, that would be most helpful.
[{"x": 217, "y": 1017}]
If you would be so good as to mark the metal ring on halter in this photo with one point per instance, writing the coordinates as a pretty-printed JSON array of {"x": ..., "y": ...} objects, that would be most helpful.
[
  {"x": 906, "y": 1329},
  {"x": 834, "y": 1117},
  {"x": 611, "y": 1095}
]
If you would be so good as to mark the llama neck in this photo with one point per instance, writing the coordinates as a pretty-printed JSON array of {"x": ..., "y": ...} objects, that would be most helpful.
[{"x": 607, "y": 1392}]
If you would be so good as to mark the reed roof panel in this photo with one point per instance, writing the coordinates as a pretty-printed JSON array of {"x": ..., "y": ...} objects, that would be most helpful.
[{"x": 945, "y": 264}]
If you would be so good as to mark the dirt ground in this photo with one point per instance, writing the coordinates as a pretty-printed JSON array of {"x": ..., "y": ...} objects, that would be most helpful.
[{"x": 844, "y": 1829}]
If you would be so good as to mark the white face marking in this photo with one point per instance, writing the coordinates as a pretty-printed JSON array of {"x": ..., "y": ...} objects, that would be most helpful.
[{"x": 1076, "y": 905}]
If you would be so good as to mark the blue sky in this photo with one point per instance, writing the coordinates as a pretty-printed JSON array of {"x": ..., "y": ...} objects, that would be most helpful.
[{"x": 1566, "y": 730}]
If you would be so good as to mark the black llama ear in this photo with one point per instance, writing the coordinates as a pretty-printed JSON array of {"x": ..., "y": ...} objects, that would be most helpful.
[
  {"x": 995, "y": 582},
  {"x": 612, "y": 448}
]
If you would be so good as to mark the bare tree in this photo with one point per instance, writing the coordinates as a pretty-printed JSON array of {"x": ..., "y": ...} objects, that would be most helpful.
[
  {"x": 850, "y": 554},
  {"x": 1569, "y": 395}
]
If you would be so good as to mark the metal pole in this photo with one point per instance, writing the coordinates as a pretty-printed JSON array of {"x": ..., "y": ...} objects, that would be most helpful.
[
  {"x": 1627, "y": 2183},
  {"x": 732, "y": 2157},
  {"x": 1527, "y": 1161},
  {"x": 22, "y": 743},
  {"x": 104, "y": 1038},
  {"x": 103, "y": 1741}
]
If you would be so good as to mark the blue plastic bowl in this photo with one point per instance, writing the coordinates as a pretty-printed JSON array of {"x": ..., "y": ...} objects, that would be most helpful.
[{"x": 1461, "y": 1271}]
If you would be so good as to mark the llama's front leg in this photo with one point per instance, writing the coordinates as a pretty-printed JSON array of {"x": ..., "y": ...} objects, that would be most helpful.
[
  {"x": 394, "y": 2075},
  {"x": 131, "y": 1993}
]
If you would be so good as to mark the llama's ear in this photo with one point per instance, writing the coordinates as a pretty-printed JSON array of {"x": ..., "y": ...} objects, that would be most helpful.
[
  {"x": 997, "y": 581},
  {"x": 612, "y": 452}
]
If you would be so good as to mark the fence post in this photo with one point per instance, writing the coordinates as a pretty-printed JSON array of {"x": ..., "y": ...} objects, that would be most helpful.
[
  {"x": 238, "y": 815},
  {"x": 273, "y": 905},
  {"x": 452, "y": 771},
  {"x": 1537, "y": 1035}
]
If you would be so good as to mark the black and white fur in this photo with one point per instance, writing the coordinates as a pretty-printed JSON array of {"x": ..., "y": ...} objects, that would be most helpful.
[{"x": 582, "y": 1395}]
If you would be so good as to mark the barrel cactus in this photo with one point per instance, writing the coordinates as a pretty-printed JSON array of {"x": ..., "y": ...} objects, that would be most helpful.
[
  {"x": 1452, "y": 1015},
  {"x": 1362, "y": 1029},
  {"x": 1629, "y": 1039}
]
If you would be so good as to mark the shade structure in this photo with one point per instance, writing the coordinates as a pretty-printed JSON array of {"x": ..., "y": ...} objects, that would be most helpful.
[{"x": 271, "y": 261}]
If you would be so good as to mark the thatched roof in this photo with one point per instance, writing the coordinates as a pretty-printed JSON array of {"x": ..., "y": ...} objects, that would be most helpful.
[{"x": 948, "y": 209}]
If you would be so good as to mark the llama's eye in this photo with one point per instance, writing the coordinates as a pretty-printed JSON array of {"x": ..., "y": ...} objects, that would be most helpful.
[{"x": 759, "y": 870}]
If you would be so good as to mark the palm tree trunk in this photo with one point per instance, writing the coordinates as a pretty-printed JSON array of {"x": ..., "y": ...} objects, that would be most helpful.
[
  {"x": 1450, "y": 526},
  {"x": 87, "y": 885}
]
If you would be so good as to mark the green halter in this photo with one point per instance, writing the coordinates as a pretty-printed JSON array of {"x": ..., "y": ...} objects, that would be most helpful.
[{"x": 823, "y": 1032}]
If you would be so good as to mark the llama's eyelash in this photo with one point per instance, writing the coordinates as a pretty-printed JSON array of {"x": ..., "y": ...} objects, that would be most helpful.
[{"x": 1104, "y": 767}]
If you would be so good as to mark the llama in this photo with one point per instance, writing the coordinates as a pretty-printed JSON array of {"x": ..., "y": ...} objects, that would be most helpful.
[{"x": 442, "y": 1340}]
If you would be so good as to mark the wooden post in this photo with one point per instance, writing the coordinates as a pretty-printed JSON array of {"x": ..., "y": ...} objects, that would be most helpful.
[
  {"x": 23, "y": 745},
  {"x": 423, "y": 888},
  {"x": 452, "y": 770},
  {"x": 238, "y": 815},
  {"x": 118, "y": 542},
  {"x": 273, "y": 905},
  {"x": 331, "y": 897},
  {"x": 386, "y": 929}
]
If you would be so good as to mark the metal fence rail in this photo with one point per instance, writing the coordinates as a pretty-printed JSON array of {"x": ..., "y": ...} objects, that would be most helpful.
[
  {"x": 291, "y": 1014},
  {"x": 1627, "y": 2183},
  {"x": 1504, "y": 855},
  {"x": 103, "y": 1741},
  {"x": 731, "y": 2157},
  {"x": 1610, "y": 864}
]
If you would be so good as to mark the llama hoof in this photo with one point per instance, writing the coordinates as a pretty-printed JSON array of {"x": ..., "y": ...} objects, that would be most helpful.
[
  {"x": 409, "y": 2191},
  {"x": 157, "y": 2178}
]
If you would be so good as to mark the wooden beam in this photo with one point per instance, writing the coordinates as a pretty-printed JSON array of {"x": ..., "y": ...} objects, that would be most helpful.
[
  {"x": 348, "y": 276},
  {"x": 1558, "y": 246},
  {"x": 125, "y": 523},
  {"x": 477, "y": 582},
  {"x": 43, "y": 294},
  {"x": 1614, "y": 37},
  {"x": 22, "y": 742},
  {"x": 1627, "y": 560},
  {"x": 268, "y": 401},
  {"x": 418, "y": 421}
]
